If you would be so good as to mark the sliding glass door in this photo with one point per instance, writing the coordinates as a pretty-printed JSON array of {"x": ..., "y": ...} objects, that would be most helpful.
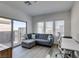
[{"x": 19, "y": 29}]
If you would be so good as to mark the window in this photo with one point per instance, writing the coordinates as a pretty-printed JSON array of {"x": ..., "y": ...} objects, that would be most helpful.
[
  {"x": 40, "y": 27},
  {"x": 59, "y": 27},
  {"x": 49, "y": 27},
  {"x": 5, "y": 31}
]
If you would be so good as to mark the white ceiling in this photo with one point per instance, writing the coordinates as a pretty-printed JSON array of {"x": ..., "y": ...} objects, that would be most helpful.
[{"x": 41, "y": 7}]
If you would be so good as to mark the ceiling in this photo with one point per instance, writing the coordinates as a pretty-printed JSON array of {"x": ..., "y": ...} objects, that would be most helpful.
[{"x": 40, "y": 7}]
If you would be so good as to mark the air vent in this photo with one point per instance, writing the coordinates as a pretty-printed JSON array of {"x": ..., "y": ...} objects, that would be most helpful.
[{"x": 29, "y": 2}]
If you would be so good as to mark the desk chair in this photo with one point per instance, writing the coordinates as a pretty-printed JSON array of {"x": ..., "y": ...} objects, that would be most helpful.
[
  {"x": 59, "y": 47},
  {"x": 76, "y": 53},
  {"x": 64, "y": 53}
]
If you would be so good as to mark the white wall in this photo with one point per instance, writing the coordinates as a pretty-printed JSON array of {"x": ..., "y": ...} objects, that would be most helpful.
[
  {"x": 52, "y": 17},
  {"x": 75, "y": 20},
  {"x": 8, "y": 11},
  {"x": 66, "y": 16}
]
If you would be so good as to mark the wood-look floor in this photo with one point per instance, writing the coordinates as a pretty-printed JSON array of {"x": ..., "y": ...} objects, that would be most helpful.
[{"x": 36, "y": 52}]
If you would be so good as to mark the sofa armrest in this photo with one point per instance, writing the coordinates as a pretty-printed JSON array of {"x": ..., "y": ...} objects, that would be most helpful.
[{"x": 51, "y": 41}]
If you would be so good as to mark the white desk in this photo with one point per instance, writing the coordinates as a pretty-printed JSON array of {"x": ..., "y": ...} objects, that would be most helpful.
[
  {"x": 69, "y": 44},
  {"x": 3, "y": 47}
]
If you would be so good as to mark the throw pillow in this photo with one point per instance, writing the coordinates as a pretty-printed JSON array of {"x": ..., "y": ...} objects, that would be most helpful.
[{"x": 33, "y": 36}]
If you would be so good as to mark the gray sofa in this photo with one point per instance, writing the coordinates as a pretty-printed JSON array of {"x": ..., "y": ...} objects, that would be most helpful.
[{"x": 42, "y": 39}]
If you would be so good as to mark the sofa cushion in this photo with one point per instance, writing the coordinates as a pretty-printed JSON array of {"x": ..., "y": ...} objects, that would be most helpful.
[
  {"x": 41, "y": 40},
  {"x": 41, "y": 36},
  {"x": 28, "y": 41}
]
